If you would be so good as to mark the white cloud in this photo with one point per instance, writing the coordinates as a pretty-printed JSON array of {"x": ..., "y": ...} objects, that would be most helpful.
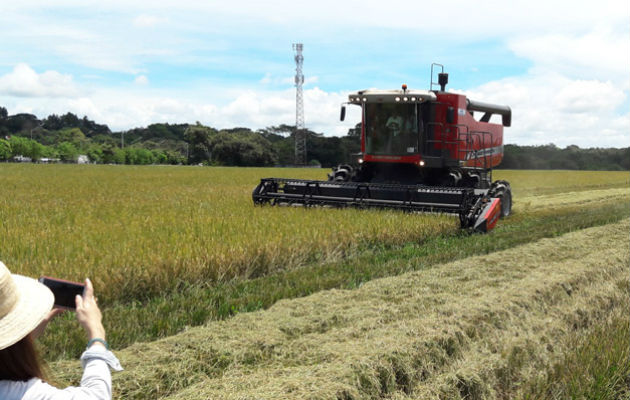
[
  {"x": 548, "y": 108},
  {"x": 575, "y": 92},
  {"x": 588, "y": 96},
  {"x": 84, "y": 106},
  {"x": 128, "y": 107},
  {"x": 23, "y": 81},
  {"x": 106, "y": 36},
  {"x": 141, "y": 80},
  {"x": 265, "y": 80},
  {"x": 147, "y": 21},
  {"x": 555, "y": 109},
  {"x": 600, "y": 53},
  {"x": 472, "y": 19}
]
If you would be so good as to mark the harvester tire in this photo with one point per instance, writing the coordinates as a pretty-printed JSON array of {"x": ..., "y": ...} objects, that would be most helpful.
[
  {"x": 503, "y": 191},
  {"x": 506, "y": 203},
  {"x": 341, "y": 173}
]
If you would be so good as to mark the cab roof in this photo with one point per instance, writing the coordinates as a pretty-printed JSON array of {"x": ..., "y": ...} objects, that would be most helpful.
[{"x": 391, "y": 96}]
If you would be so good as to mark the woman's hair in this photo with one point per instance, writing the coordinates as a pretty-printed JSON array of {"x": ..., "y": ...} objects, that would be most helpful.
[{"x": 21, "y": 362}]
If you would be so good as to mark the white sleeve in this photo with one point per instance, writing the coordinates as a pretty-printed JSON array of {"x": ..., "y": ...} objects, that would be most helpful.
[{"x": 96, "y": 382}]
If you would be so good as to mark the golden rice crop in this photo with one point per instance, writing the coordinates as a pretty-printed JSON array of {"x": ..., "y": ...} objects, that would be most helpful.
[
  {"x": 142, "y": 230},
  {"x": 473, "y": 328},
  {"x": 530, "y": 183}
]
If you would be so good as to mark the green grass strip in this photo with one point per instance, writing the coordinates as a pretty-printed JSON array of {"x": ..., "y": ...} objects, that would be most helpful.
[
  {"x": 598, "y": 368},
  {"x": 192, "y": 305}
]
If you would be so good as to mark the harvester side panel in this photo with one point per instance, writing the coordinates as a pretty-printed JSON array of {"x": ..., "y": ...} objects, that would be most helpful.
[{"x": 476, "y": 144}]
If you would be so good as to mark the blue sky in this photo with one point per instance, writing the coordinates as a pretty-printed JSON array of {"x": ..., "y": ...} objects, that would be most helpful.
[{"x": 563, "y": 68}]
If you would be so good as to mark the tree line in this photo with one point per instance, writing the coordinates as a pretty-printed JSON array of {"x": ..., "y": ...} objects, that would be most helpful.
[
  {"x": 571, "y": 157},
  {"x": 64, "y": 137}
]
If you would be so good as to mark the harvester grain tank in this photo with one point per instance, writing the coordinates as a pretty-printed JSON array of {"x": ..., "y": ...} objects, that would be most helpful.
[{"x": 429, "y": 151}]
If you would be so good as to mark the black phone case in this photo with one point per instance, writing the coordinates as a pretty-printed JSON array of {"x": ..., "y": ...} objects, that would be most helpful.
[{"x": 64, "y": 291}]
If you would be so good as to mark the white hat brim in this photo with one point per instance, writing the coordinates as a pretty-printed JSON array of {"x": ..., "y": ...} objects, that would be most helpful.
[{"x": 33, "y": 305}]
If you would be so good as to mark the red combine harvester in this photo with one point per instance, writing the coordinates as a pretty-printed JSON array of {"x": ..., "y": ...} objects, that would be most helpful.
[{"x": 420, "y": 151}]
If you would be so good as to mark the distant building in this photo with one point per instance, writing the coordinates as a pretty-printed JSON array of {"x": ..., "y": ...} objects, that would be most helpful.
[
  {"x": 47, "y": 160},
  {"x": 83, "y": 159},
  {"x": 21, "y": 158}
]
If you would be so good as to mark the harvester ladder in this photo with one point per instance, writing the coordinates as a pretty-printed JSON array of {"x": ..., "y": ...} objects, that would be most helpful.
[
  {"x": 449, "y": 148},
  {"x": 447, "y": 153},
  {"x": 432, "y": 141},
  {"x": 464, "y": 145},
  {"x": 482, "y": 136}
]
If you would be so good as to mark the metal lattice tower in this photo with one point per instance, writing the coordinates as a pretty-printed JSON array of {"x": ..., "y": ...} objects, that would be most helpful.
[{"x": 300, "y": 133}]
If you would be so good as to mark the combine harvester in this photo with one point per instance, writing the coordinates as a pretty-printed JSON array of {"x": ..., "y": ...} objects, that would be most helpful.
[{"x": 420, "y": 151}]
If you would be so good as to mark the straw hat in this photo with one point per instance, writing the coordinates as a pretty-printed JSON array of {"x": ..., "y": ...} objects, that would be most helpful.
[{"x": 24, "y": 303}]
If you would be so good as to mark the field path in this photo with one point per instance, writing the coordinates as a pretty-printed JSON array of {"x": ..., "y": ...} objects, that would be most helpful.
[{"x": 474, "y": 327}]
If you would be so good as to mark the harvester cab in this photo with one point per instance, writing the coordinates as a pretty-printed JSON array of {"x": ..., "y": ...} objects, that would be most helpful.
[{"x": 420, "y": 151}]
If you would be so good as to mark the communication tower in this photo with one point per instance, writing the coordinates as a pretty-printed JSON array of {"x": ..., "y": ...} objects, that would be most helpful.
[{"x": 300, "y": 133}]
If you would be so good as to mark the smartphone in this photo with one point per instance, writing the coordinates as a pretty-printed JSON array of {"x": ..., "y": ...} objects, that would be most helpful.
[{"x": 64, "y": 291}]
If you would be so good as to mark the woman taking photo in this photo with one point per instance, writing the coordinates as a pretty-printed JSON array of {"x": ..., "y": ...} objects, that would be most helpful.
[{"x": 26, "y": 306}]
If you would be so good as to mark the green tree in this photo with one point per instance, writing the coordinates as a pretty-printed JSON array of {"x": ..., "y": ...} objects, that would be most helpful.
[
  {"x": 243, "y": 148},
  {"x": 138, "y": 156},
  {"x": 70, "y": 120},
  {"x": 356, "y": 131},
  {"x": 74, "y": 136},
  {"x": 53, "y": 123},
  {"x": 50, "y": 152},
  {"x": 20, "y": 146},
  {"x": 160, "y": 157},
  {"x": 328, "y": 151},
  {"x": 118, "y": 156},
  {"x": 20, "y": 122},
  {"x": 175, "y": 158},
  {"x": 37, "y": 150},
  {"x": 199, "y": 138},
  {"x": 95, "y": 153},
  {"x": 5, "y": 149},
  {"x": 67, "y": 152}
]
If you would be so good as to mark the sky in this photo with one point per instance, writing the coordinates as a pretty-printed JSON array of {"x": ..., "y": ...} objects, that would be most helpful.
[{"x": 562, "y": 66}]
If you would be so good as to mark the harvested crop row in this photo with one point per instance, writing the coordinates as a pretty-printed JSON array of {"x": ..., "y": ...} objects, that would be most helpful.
[
  {"x": 559, "y": 200},
  {"x": 397, "y": 334},
  {"x": 541, "y": 182}
]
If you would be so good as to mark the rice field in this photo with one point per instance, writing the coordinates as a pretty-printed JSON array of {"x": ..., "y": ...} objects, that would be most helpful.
[
  {"x": 137, "y": 232},
  {"x": 169, "y": 248},
  {"x": 476, "y": 328},
  {"x": 140, "y": 231}
]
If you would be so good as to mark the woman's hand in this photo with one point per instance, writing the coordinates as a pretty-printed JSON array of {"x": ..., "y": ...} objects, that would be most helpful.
[
  {"x": 88, "y": 313},
  {"x": 42, "y": 325}
]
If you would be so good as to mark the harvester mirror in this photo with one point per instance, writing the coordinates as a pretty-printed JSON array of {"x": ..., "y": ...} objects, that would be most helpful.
[
  {"x": 343, "y": 113},
  {"x": 450, "y": 115}
]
